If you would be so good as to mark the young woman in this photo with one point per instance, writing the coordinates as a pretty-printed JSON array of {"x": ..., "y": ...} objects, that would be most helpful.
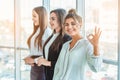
[
  {"x": 54, "y": 43},
  {"x": 77, "y": 52},
  {"x": 36, "y": 40}
]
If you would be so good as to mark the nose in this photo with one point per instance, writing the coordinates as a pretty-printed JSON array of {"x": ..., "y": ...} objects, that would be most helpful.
[
  {"x": 50, "y": 21},
  {"x": 69, "y": 26},
  {"x": 32, "y": 18}
]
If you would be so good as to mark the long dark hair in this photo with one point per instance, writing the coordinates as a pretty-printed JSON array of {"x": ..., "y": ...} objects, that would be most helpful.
[
  {"x": 60, "y": 13},
  {"x": 43, "y": 22}
]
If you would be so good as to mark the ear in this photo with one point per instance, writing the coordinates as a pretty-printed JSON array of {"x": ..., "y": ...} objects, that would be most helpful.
[{"x": 80, "y": 25}]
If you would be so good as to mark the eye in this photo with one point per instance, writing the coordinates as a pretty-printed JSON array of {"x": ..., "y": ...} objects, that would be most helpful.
[
  {"x": 66, "y": 24},
  {"x": 73, "y": 24},
  {"x": 34, "y": 16},
  {"x": 52, "y": 18}
]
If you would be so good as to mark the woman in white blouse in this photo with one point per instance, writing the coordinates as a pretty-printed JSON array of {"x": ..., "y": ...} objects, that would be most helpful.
[
  {"x": 76, "y": 53},
  {"x": 54, "y": 43},
  {"x": 36, "y": 41}
]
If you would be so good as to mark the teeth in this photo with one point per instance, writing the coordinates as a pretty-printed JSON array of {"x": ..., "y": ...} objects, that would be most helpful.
[{"x": 70, "y": 30}]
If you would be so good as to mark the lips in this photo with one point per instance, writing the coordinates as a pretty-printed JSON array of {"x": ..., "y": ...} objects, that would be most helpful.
[
  {"x": 69, "y": 30},
  {"x": 52, "y": 24}
]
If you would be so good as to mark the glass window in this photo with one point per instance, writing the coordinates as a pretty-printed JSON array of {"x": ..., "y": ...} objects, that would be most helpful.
[
  {"x": 7, "y": 64},
  {"x": 7, "y": 22},
  {"x": 25, "y": 69},
  {"x": 104, "y": 14},
  {"x": 60, "y": 4},
  {"x": 7, "y": 40}
]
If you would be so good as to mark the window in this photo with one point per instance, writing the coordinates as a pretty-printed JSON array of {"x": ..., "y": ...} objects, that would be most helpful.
[
  {"x": 60, "y": 4},
  {"x": 7, "y": 39},
  {"x": 104, "y": 14}
]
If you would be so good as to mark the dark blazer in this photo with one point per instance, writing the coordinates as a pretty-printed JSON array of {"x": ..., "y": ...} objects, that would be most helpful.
[{"x": 53, "y": 56}]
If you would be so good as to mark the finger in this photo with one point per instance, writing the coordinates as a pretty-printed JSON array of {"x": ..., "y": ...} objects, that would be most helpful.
[
  {"x": 89, "y": 39},
  {"x": 32, "y": 64},
  {"x": 90, "y": 36},
  {"x": 39, "y": 64},
  {"x": 99, "y": 34}
]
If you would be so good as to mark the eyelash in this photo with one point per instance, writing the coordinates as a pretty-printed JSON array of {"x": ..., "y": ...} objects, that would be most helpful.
[
  {"x": 34, "y": 16},
  {"x": 52, "y": 19},
  {"x": 73, "y": 24}
]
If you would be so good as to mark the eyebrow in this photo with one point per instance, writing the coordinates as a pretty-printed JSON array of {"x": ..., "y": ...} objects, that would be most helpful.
[{"x": 53, "y": 17}]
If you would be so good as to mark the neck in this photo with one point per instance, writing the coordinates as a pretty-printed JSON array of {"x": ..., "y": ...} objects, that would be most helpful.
[
  {"x": 57, "y": 30},
  {"x": 76, "y": 38}
]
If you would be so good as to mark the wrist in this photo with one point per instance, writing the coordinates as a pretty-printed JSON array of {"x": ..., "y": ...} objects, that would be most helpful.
[
  {"x": 48, "y": 63},
  {"x": 36, "y": 60},
  {"x": 96, "y": 51}
]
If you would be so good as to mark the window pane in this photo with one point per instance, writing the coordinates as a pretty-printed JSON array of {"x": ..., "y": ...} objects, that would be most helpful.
[
  {"x": 7, "y": 39},
  {"x": 59, "y": 4},
  {"x": 25, "y": 69},
  {"x": 104, "y": 14},
  {"x": 7, "y": 64},
  {"x": 7, "y": 22}
]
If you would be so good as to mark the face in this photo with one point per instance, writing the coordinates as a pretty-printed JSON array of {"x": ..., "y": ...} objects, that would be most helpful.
[
  {"x": 71, "y": 27},
  {"x": 35, "y": 18},
  {"x": 54, "y": 21}
]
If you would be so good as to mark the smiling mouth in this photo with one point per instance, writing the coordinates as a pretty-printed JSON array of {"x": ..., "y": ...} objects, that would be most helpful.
[{"x": 52, "y": 24}]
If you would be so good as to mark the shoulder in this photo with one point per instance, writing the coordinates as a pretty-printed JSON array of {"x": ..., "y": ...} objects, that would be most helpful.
[
  {"x": 47, "y": 34},
  {"x": 66, "y": 38},
  {"x": 66, "y": 44},
  {"x": 48, "y": 30},
  {"x": 86, "y": 43}
]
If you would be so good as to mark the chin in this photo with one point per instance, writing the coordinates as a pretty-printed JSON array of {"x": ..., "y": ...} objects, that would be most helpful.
[
  {"x": 36, "y": 25},
  {"x": 71, "y": 34}
]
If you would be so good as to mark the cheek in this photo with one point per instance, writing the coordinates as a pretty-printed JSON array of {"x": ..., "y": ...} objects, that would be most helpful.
[
  {"x": 55, "y": 24},
  {"x": 37, "y": 21},
  {"x": 66, "y": 29}
]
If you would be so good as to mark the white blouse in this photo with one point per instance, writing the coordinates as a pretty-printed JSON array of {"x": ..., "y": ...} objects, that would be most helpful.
[
  {"x": 34, "y": 49},
  {"x": 49, "y": 44},
  {"x": 71, "y": 63}
]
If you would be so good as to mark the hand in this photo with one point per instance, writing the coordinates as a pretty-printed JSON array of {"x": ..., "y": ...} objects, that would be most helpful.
[
  {"x": 94, "y": 38},
  {"x": 29, "y": 60},
  {"x": 42, "y": 61},
  {"x": 32, "y": 64}
]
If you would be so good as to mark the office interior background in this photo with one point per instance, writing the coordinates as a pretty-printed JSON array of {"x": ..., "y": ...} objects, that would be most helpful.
[{"x": 16, "y": 25}]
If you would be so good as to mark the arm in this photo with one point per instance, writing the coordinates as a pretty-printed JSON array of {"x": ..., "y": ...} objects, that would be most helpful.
[
  {"x": 42, "y": 61},
  {"x": 93, "y": 61},
  {"x": 59, "y": 64},
  {"x": 93, "y": 56},
  {"x": 28, "y": 60},
  {"x": 94, "y": 40}
]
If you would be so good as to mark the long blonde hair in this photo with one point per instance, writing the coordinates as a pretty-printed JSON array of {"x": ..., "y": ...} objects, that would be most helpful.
[{"x": 43, "y": 22}]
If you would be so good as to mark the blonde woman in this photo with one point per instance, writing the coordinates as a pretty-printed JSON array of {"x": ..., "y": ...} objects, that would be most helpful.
[
  {"x": 36, "y": 41},
  {"x": 76, "y": 53}
]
